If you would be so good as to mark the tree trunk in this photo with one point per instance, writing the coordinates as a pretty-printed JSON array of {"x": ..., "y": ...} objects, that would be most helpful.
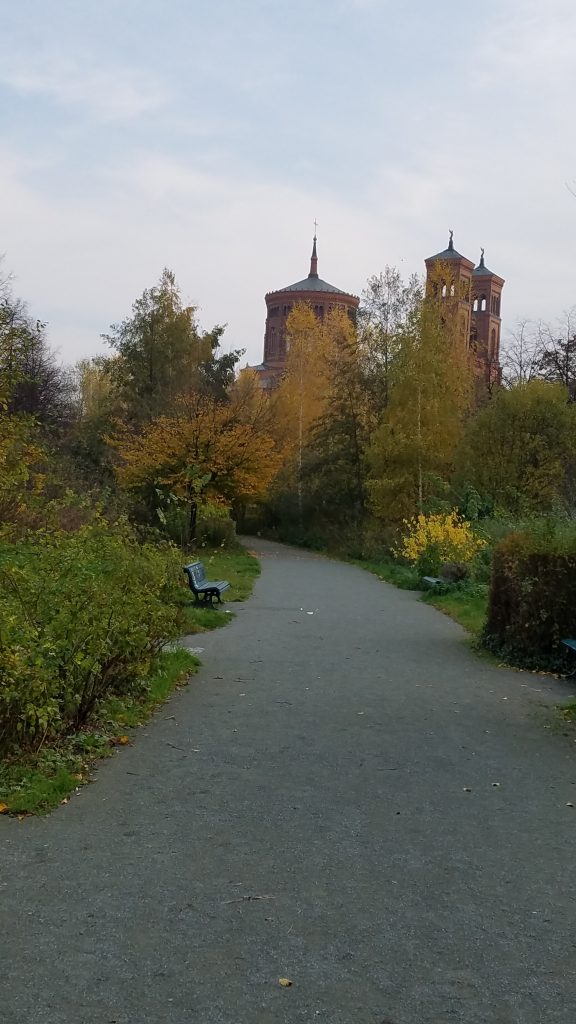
[
  {"x": 193, "y": 519},
  {"x": 420, "y": 486}
]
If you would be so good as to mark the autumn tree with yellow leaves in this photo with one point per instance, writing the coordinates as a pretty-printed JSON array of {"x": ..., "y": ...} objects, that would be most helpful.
[
  {"x": 412, "y": 452},
  {"x": 204, "y": 450}
]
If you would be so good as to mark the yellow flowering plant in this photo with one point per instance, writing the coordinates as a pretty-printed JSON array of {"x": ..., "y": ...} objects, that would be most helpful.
[{"x": 430, "y": 541}]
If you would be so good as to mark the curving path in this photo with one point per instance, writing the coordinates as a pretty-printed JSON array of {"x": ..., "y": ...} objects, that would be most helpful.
[{"x": 398, "y": 802}]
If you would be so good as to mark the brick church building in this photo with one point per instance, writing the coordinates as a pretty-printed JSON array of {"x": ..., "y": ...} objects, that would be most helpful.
[
  {"x": 321, "y": 296},
  {"x": 472, "y": 295}
]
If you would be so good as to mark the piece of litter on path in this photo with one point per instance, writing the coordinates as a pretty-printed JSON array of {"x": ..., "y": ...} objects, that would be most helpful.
[
  {"x": 249, "y": 899},
  {"x": 284, "y": 982},
  {"x": 466, "y": 789},
  {"x": 495, "y": 785},
  {"x": 309, "y": 613}
]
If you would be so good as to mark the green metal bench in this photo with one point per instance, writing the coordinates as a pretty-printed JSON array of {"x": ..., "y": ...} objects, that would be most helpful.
[{"x": 204, "y": 590}]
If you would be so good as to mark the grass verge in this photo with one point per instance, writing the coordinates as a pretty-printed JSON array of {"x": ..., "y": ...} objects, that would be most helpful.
[
  {"x": 468, "y": 607},
  {"x": 401, "y": 576},
  {"x": 36, "y": 783}
]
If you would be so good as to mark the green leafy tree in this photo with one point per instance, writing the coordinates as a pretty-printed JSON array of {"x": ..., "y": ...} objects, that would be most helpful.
[
  {"x": 162, "y": 353},
  {"x": 519, "y": 450},
  {"x": 387, "y": 304}
]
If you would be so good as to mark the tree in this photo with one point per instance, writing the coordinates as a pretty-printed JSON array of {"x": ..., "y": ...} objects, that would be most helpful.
[
  {"x": 97, "y": 409},
  {"x": 537, "y": 349},
  {"x": 162, "y": 353},
  {"x": 558, "y": 343},
  {"x": 31, "y": 380},
  {"x": 204, "y": 450},
  {"x": 334, "y": 464},
  {"x": 521, "y": 355},
  {"x": 412, "y": 452},
  {"x": 301, "y": 397},
  {"x": 518, "y": 451},
  {"x": 387, "y": 302}
]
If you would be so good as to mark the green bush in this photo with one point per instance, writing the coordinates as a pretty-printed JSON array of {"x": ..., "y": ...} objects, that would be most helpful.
[
  {"x": 532, "y": 603},
  {"x": 214, "y": 527},
  {"x": 81, "y": 616}
]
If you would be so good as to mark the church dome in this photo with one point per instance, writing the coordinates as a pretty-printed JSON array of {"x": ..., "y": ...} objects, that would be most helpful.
[{"x": 312, "y": 283}]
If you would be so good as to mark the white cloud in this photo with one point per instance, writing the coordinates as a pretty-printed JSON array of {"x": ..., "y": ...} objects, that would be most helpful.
[
  {"x": 531, "y": 45},
  {"x": 110, "y": 94}
]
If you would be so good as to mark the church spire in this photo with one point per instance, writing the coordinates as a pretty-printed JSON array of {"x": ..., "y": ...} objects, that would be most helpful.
[{"x": 314, "y": 258}]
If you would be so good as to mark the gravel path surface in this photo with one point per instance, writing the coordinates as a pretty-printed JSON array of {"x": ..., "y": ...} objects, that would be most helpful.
[{"x": 346, "y": 797}]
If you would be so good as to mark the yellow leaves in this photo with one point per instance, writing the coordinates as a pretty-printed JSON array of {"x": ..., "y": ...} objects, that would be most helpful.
[
  {"x": 4, "y": 809},
  {"x": 285, "y": 982},
  {"x": 225, "y": 444},
  {"x": 120, "y": 741},
  {"x": 450, "y": 535}
]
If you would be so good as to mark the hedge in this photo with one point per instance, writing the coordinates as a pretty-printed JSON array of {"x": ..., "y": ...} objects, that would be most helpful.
[{"x": 532, "y": 603}]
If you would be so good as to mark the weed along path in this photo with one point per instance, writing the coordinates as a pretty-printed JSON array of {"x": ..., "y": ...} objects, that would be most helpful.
[{"x": 346, "y": 798}]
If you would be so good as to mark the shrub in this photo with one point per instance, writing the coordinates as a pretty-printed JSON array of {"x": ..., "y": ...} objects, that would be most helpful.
[
  {"x": 454, "y": 572},
  {"x": 532, "y": 604},
  {"x": 432, "y": 540},
  {"x": 81, "y": 615},
  {"x": 214, "y": 527}
]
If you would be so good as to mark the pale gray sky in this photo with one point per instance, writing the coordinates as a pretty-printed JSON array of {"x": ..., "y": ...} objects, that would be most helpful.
[{"x": 208, "y": 135}]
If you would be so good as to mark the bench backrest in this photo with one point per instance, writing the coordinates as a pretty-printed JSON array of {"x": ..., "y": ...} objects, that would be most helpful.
[{"x": 196, "y": 574}]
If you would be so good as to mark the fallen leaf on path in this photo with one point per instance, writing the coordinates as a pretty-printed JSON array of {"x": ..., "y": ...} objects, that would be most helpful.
[
  {"x": 119, "y": 741},
  {"x": 466, "y": 789},
  {"x": 4, "y": 808},
  {"x": 569, "y": 805},
  {"x": 496, "y": 784},
  {"x": 284, "y": 982}
]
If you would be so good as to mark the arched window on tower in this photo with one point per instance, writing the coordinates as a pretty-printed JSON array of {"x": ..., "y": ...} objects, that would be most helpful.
[
  {"x": 482, "y": 303},
  {"x": 444, "y": 291},
  {"x": 452, "y": 291},
  {"x": 493, "y": 343},
  {"x": 475, "y": 305}
]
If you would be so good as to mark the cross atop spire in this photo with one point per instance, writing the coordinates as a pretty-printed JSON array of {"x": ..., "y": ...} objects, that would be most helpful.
[
  {"x": 451, "y": 240},
  {"x": 482, "y": 257}
]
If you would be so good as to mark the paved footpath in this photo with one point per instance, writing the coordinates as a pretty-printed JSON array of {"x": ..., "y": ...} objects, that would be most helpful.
[{"x": 345, "y": 796}]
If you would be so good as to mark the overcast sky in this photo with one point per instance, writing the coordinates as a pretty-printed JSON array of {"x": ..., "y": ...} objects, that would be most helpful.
[{"x": 207, "y": 135}]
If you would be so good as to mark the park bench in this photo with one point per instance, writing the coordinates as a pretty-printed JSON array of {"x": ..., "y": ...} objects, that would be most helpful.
[
  {"x": 437, "y": 583},
  {"x": 204, "y": 590}
]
